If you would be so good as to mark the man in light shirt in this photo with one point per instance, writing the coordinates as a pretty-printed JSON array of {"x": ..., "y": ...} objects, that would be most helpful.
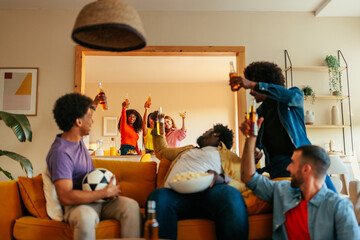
[
  {"x": 222, "y": 203},
  {"x": 303, "y": 208}
]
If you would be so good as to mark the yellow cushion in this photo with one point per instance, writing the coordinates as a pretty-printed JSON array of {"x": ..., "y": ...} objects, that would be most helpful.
[
  {"x": 136, "y": 179},
  {"x": 32, "y": 194},
  {"x": 255, "y": 205},
  {"x": 145, "y": 158}
]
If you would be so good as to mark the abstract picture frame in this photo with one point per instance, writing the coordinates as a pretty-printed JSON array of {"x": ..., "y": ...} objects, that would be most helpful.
[
  {"x": 19, "y": 90},
  {"x": 110, "y": 126}
]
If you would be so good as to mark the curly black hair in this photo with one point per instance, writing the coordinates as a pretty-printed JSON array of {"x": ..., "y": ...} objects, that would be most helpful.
[
  {"x": 70, "y": 107},
  {"x": 138, "y": 122},
  {"x": 226, "y": 134},
  {"x": 265, "y": 72}
]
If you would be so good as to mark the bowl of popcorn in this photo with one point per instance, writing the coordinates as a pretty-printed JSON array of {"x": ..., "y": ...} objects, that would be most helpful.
[{"x": 191, "y": 182}]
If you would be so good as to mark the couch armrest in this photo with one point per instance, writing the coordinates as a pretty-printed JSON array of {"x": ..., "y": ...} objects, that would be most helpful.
[
  {"x": 11, "y": 207},
  {"x": 354, "y": 196}
]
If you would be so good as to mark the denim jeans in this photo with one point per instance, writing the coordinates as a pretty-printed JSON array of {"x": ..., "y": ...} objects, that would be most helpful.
[
  {"x": 125, "y": 148},
  {"x": 222, "y": 203}
]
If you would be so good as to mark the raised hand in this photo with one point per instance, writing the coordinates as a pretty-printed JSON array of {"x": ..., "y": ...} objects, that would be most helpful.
[{"x": 243, "y": 82}]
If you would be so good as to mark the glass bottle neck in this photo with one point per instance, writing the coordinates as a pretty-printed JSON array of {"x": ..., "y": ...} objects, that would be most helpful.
[{"x": 151, "y": 214}]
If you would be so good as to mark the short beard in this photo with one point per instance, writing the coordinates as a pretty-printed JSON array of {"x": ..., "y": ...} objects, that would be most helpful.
[{"x": 296, "y": 182}]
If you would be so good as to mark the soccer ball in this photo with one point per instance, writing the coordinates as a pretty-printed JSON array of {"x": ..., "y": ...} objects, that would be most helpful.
[{"x": 97, "y": 179}]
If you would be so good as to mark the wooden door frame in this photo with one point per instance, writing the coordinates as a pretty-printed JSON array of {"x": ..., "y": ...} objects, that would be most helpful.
[{"x": 237, "y": 51}]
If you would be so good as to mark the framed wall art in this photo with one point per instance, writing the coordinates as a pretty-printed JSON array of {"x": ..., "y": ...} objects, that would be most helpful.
[
  {"x": 18, "y": 90},
  {"x": 110, "y": 126}
]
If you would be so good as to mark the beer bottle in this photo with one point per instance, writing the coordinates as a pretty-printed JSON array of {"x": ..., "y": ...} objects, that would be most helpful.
[
  {"x": 148, "y": 101},
  {"x": 127, "y": 98},
  {"x": 151, "y": 230},
  {"x": 160, "y": 126},
  {"x": 233, "y": 73},
  {"x": 252, "y": 117},
  {"x": 103, "y": 102}
]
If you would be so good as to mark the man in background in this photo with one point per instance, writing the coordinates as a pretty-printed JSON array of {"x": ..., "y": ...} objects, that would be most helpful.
[{"x": 283, "y": 129}]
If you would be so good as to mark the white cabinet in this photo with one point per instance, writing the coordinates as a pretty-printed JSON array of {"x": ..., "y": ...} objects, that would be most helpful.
[{"x": 318, "y": 76}]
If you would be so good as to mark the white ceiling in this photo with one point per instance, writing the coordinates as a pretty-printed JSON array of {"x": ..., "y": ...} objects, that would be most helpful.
[{"x": 321, "y": 8}]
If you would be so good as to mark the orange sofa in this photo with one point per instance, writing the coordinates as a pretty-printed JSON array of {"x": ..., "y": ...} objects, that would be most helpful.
[{"x": 23, "y": 212}]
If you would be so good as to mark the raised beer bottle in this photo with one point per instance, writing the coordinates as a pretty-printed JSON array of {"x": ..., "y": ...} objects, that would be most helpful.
[
  {"x": 233, "y": 73},
  {"x": 151, "y": 229},
  {"x": 160, "y": 126},
  {"x": 103, "y": 102},
  {"x": 252, "y": 117},
  {"x": 148, "y": 101}
]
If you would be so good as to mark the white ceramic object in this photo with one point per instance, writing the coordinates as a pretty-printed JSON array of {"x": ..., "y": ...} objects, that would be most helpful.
[
  {"x": 193, "y": 185},
  {"x": 309, "y": 117},
  {"x": 335, "y": 115}
]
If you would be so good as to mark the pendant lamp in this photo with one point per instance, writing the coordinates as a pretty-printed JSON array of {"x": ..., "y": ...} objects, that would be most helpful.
[{"x": 109, "y": 25}]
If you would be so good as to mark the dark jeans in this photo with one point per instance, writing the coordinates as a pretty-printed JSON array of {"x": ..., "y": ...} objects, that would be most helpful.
[
  {"x": 278, "y": 165},
  {"x": 222, "y": 203},
  {"x": 124, "y": 149}
]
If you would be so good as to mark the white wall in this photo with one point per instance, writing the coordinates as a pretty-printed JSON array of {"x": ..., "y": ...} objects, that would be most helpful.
[
  {"x": 205, "y": 103},
  {"x": 41, "y": 38}
]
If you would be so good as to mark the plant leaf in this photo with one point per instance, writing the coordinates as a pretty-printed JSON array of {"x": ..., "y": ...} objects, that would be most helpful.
[
  {"x": 24, "y": 162},
  {"x": 7, "y": 174},
  {"x": 19, "y": 124}
]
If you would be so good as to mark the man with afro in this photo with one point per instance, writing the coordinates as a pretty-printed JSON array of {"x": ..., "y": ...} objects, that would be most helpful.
[
  {"x": 221, "y": 203},
  {"x": 283, "y": 129},
  {"x": 68, "y": 161}
]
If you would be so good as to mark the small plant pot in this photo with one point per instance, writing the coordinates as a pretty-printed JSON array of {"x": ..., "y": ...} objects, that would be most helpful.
[{"x": 336, "y": 93}]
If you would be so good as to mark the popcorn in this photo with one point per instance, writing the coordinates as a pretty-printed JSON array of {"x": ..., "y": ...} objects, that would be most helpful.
[{"x": 187, "y": 176}]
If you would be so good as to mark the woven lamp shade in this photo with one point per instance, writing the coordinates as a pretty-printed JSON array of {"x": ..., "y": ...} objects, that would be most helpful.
[{"x": 110, "y": 25}]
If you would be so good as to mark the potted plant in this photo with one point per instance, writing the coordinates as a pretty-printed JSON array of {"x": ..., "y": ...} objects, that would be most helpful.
[
  {"x": 334, "y": 74},
  {"x": 21, "y": 128},
  {"x": 308, "y": 91}
]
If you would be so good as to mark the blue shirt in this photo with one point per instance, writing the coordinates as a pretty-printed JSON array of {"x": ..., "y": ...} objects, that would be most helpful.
[
  {"x": 329, "y": 215},
  {"x": 291, "y": 114}
]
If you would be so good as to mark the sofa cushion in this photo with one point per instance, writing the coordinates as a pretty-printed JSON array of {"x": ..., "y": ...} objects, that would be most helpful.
[
  {"x": 53, "y": 206},
  {"x": 255, "y": 205},
  {"x": 136, "y": 179},
  {"x": 32, "y": 228},
  {"x": 11, "y": 208},
  {"x": 163, "y": 168},
  {"x": 32, "y": 194}
]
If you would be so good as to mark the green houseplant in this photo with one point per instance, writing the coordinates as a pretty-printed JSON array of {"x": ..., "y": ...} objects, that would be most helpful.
[
  {"x": 334, "y": 74},
  {"x": 308, "y": 91},
  {"x": 21, "y": 128}
]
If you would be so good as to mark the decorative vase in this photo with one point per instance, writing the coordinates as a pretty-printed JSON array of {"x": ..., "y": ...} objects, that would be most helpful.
[
  {"x": 309, "y": 117},
  {"x": 335, "y": 116}
]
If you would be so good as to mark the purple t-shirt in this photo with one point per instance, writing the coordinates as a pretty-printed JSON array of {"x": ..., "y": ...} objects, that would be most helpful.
[{"x": 69, "y": 160}]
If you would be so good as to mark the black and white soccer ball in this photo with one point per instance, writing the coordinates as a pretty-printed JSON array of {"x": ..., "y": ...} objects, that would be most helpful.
[{"x": 97, "y": 179}]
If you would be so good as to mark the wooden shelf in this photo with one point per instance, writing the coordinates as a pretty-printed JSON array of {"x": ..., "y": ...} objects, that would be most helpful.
[
  {"x": 326, "y": 97},
  {"x": 312, "y": 68},
  {"x": 327, "y": 126}
]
